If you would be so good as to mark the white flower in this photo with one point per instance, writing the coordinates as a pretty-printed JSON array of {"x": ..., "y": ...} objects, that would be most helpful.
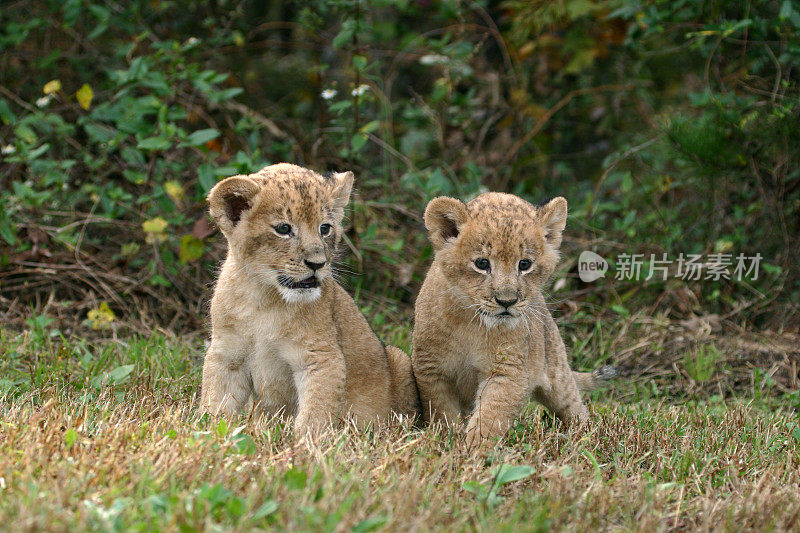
[
  {"x": 8, "y": 149},
  {"x": 433, "y": 59},
  {"x": 44, "y": 101},
  {"x": 327, "y": 94},
  {"x": 361, "y": 89},
  {"x": 191, "y": 41}
]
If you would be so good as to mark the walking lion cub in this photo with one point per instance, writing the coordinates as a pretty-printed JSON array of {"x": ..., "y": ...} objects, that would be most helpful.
[
  {"x": 283, "y": 330},
  {"x": 484, "y": 342}
]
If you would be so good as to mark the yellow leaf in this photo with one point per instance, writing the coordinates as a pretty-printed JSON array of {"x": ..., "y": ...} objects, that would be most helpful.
[
  {"x": 101, "y": 317},
  {"x": 152, "y": 238},
  {"x": 154, "y": 225},
  {"x": 52, "y": 86},
  {"x": 174, "y": 191},
  {"x": 154, "y": 229},
  {"x": 84, "y": 96}
]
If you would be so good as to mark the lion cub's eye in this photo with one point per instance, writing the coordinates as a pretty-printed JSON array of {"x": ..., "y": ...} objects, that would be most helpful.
[
  {"x": 525, "y": 264},
  {"x": 283, "y": 229},
  {"x": 324, "y": 229},
  {"x": 482, "y": 264}
]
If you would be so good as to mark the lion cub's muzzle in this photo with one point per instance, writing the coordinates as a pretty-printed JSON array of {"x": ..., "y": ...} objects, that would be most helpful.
[
  {"x": 504, "y": 302},
  {"x": 310, "y": 282}
]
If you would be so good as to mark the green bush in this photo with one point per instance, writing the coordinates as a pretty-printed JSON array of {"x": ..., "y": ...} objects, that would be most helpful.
[{"x": 670, "y": 126}]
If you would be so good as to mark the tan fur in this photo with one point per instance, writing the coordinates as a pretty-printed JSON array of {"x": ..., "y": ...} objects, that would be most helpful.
[
  {"x": 469, "y": 360},
  {"x": 306, "y": 352}
]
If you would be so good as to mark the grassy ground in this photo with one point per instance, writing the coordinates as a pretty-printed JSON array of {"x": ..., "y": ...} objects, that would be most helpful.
[{"x": 105, "y": 436}]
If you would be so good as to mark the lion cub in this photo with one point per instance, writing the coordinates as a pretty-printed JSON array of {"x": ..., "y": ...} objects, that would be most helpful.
[
  {"x": 484, "y": 341},
  {"x": 282, "y": 329}
]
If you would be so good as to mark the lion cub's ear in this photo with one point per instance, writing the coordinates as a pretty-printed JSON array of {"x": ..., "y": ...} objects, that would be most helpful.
[
  {"x": 553, "y": 218},
  {"x": 229, "y": 199},
  {"x": 340, "y": 193},
  {"x": 444, "y": 217}
]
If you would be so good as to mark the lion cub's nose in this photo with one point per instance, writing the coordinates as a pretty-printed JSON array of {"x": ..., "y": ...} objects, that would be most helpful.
[
  {"x": 313, "y": 266},
  {"x": 506, "y": 303}
]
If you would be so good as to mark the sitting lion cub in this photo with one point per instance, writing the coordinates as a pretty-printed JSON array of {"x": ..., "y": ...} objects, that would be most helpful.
[
  {"x": 282, "y": 329},
  {"x": 484, "y": 341}
]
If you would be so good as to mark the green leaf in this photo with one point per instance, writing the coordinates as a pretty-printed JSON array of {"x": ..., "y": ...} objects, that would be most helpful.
[
  {"x": 358, "y": 141},
  {"x": 578, "y": 8},
  {"x": 620, "y": 310},
  {"x": 225, "y": 94},
  {"x": 102, "y": 14},
  {"x": 295, "y": 479},
  {"x": 192, "y": 249},
  {"x": 6, "y": 114},
  {"x": 200, "y": 137},
  {"x": 133, "y": 157},
  {"x": 473, "y": 487},
  {"x": 359, "y": 62},
  {"x": 245, "y": 445},
  {"x": 340, "y": 106},
  {"x": 134, "y": 176},
  {"x": 25, "y": 133},
  {"x": 72, "y": 10},
  {"x": 266, "y": 509},
  {"x": 70, "y": 436},
  {"x": 206, "y": 177},
  {"x": 222, "y": 428},
  {"x": 370, "y": 524},
  {"x": 120, "y": 373},
  {"x": 8, "y": 230},
  {"x": 36, "y": 152},
  {"x": 598, "y": 472},
  {"x": 370, "y": 126},
  {"x": 158, "y": 279},
  {"x": 99, "y": 133},
  {"x": 345, "y": 34},
  {"x": 154, "y": 143},
  {"x": 235, "y": 506},
  {"x": 508, "y": 474},
  {"x": 788, "y": 12}
]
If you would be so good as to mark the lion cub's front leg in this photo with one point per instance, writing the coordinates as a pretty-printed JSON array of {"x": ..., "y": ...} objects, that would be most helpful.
[
  {"x": 320, "y": 382},
  {"x": 498, "y": 401},
  {"x": 227, "y": 382},
  {"x": 436, "y": 391}
]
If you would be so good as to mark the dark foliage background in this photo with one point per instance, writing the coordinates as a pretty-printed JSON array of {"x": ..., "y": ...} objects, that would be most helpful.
[{"x": 671, "y": 126}]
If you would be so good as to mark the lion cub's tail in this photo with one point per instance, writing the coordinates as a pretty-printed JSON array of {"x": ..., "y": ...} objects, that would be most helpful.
[
  {"x": 589, "y": 381},
  {"x": 404, "y": 386}
]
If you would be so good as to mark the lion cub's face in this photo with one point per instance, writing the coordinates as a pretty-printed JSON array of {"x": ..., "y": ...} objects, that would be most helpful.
[
  {"x": 283, "y": 224},
  {"x": 496, "y": 252}
]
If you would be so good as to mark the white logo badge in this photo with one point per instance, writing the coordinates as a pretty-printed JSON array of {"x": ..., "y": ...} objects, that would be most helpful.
[{"x": 591, "y": 266}]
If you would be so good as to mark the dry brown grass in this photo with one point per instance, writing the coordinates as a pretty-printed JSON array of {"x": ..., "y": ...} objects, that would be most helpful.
[
  {"x": 83, "y": 445},
  {"x": 145, "y": 462}
]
